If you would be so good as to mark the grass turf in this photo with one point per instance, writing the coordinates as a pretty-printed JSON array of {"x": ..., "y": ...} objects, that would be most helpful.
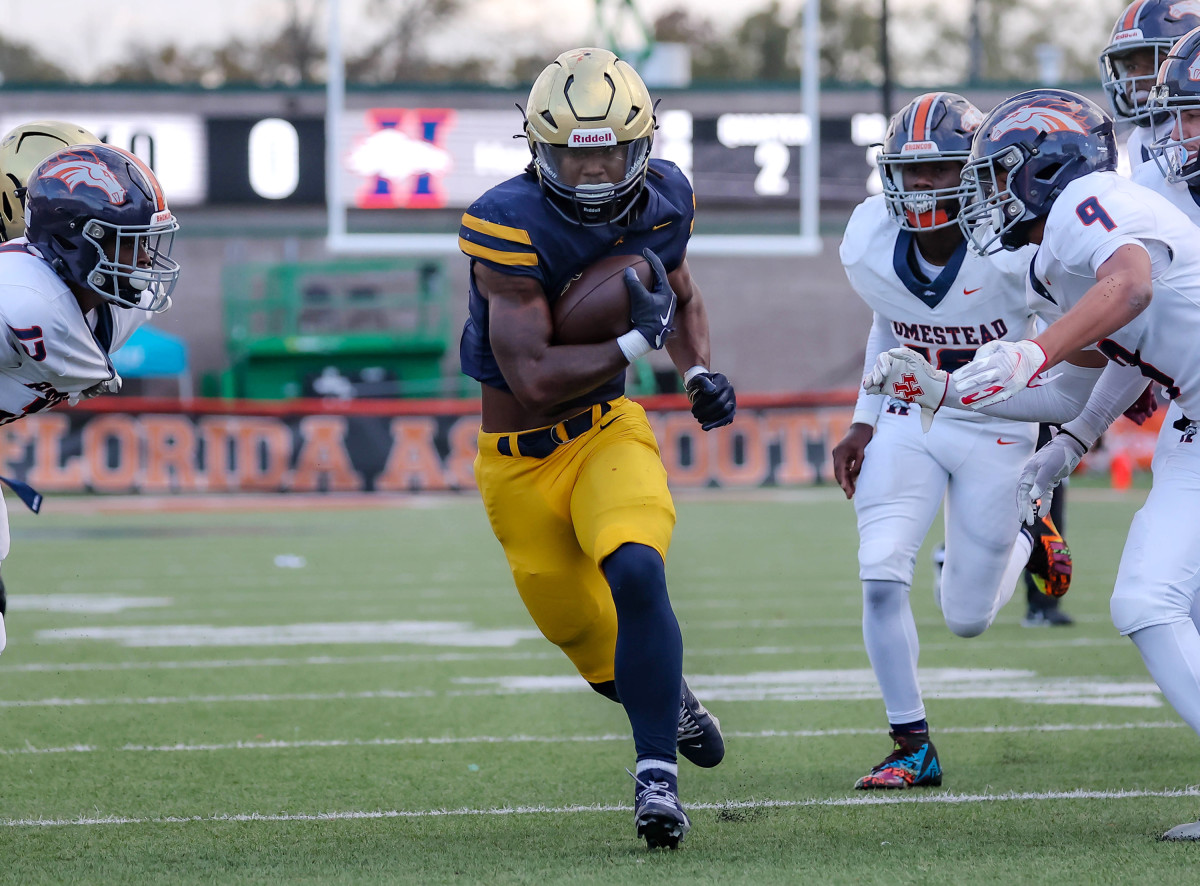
[{"x": 181, "y": 763}]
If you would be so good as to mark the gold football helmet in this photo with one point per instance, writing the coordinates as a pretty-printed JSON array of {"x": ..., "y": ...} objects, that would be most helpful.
[
  {"x": 590, "y": 123},
  {"x": 21, "y": 150}
]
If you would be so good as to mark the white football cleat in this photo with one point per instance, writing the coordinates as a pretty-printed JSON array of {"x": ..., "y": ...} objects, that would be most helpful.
[{"x": 1182, "y": 832}]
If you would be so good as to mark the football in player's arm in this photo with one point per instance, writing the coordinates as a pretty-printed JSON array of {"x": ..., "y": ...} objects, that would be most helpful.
[{"x": 568, "y": 467}]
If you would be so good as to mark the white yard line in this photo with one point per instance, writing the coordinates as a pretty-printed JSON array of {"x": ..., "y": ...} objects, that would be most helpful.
[
  {"x": 221, "y": 699},
  {"x": 551, "y": 655},
  {"x": 868, "y": 800},
  {"x": 274, "y": 745}
]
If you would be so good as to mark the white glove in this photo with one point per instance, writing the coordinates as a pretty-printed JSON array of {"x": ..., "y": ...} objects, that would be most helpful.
[
  {"x": 999, "y": 370},
  {"x": 108, "y": 386},
  {"x": 906, "y": 375},
  {"x": 1045, "y": 469}
]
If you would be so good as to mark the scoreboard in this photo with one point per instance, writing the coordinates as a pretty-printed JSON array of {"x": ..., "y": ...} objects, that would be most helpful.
[{"x": 416, "y": 158}]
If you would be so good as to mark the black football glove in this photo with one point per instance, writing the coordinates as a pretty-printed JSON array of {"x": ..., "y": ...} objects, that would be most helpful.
[
  {"x": 713, "y": 400},
  {"x": 652, "y": 311}
]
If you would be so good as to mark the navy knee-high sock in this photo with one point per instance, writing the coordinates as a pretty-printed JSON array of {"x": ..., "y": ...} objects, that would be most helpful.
[{"x": 649, "y": 661}]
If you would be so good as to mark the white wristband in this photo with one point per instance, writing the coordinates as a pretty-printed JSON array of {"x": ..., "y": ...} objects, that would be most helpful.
[
  {"x": 633, "y": 345},
  {"x": 693, "y": 372}
]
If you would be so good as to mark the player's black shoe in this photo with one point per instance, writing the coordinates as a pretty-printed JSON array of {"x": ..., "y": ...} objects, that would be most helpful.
[
  {"x": 1037, "y": 618},
  {"x": 1050, "y": 560},
  {"x": 913, "y": 763},
  {"x": 699, "y": 736},
  {"x": 657, "y": 812}
]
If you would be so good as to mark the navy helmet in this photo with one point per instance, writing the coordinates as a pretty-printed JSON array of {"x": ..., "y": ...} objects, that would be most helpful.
[
  {"x": 933, "y": 128},
  {"x": 1145, "y": 26},
  {"x": 1026, "y": 151},
  {"x": 1177, "y": 91},
  {"x": 98, "y": 215}
]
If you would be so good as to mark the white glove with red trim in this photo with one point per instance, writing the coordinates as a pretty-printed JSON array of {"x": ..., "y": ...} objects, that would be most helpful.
[
  {"x": 1045, "y": 469},
  {"x": 906, "y": 375},
  {"x": 999, "y": 370}
]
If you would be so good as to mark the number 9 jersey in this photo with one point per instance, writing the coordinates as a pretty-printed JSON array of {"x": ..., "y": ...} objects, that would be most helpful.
[{"x": 1093, "y": 217}]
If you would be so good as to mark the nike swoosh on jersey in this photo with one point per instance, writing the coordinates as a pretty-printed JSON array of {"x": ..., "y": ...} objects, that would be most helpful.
[
  {"x": 1001, "y": 441},
  {"x": 971, "y": 291},
  {"x": 660, "y": 227}
]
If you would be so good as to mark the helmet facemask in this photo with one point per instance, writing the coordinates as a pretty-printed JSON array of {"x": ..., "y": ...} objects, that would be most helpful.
[
  {"x": 928, "y": 209},
  {"x": 619, "y": 171},
  {"x": 1176, "y": 153},
  {"x": 133, "y": 260},
  {"x": 590, "y": 124},
  {"x": 1129, "y": 73},
  {"x": 993, "y": 217}
]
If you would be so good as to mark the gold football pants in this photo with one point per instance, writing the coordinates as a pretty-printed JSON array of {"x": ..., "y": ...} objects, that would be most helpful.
[{"x": 558, "y": 517}]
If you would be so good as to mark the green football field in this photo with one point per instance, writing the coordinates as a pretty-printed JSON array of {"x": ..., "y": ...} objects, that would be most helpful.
[{"x": 355, "y": 695}]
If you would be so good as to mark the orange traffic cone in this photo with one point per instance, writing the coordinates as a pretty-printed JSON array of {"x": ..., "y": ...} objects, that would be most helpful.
[{"x": 1121, "y": 469}]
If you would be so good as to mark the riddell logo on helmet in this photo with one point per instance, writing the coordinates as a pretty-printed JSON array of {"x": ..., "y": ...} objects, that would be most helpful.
[
  {"x": 1039, "y": 119},
  {"x": 76, "y": 171},
  {"x": 1126, "y": 36},
  {"x": 591, "y": 138}
]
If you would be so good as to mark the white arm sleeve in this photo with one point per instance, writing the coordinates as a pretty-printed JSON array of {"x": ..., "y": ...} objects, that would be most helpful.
[
  {"x": 880, "y": 339},
  {"x": 1117, "y": 390},
  {"x": 1060, "y": 398}
]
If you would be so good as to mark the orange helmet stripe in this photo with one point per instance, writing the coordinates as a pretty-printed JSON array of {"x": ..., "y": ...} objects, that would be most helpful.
[
  {"x": 1129, "y": 21},
  {"x": 160, "y": 200},
  {"x": 920, "y": 125}
]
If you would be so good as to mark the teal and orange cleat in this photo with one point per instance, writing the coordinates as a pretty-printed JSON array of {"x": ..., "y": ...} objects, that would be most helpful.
[
  {"x": 1050, "y": 560},
  {"x": 913, "y": 763}
]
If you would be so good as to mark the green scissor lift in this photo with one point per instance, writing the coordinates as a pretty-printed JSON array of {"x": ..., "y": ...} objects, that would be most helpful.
[{"x": 378, "y": 326}]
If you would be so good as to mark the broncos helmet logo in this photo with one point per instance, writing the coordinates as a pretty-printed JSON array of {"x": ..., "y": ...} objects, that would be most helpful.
[
  {"x": 1178, "y": 10},
  {"x": 77, "y": 172},
  {"x": 1040, "y": 119}
]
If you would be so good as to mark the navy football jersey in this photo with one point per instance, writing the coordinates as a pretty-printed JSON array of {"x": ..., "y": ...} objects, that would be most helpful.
[{"x": 513, "y": 229}]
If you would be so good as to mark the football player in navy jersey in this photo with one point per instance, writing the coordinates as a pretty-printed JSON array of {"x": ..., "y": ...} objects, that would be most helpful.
[{"x": 568, "y": 468}]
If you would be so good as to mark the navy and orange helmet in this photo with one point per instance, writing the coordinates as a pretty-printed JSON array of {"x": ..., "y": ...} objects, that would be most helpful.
[
  {"x": 933, "y": 128},
  {"x": 1145, "y": 31},
  {"x": 1026, "y": 151},
  {"x": 98, "y": 215},
  {"x": 1177, "y": 91}
]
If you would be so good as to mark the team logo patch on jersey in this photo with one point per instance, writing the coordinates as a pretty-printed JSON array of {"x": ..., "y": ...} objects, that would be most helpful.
[
  {"x": 76, "y": 172},
  {"x": 1038, "y": 118}
]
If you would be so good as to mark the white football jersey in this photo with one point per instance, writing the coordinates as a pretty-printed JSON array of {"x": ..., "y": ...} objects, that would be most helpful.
[
  {"x": 1093, "y": 217},
  {"x": 50, "y": 349},
  {"x": 1137, "y": 147},
  {"x": 972, "y": 301},
  {"x": 1148, "y": 175}
]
